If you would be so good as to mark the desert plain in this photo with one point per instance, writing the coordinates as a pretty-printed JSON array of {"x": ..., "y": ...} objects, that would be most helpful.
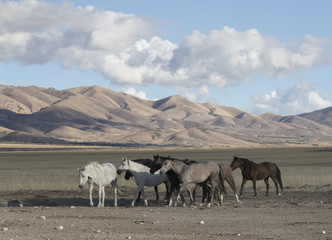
[{"x": 39, "y": 186}]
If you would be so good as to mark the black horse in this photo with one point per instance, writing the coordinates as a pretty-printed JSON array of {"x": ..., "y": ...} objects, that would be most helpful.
[{"x": 253, "y": 171}]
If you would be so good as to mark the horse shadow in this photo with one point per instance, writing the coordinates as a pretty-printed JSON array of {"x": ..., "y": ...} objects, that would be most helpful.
[{"x": 43, "y": 199}]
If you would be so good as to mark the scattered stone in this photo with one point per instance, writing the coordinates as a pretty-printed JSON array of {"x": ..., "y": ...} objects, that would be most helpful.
[
  {"x": 72, "y": 207},
  {"x": 129, "y": 237},
  {"x": 5, "y": 229},
  {"x": 21, "y": 204},
  {"x": 239, "y": 234},
  {"x": 60, "y": 228},
  {"x": 98, "y": 231},
  {"x": 323, "y": 232},
  {"x": 43, "y": 217},
  {"x": 202, "y": 222}
]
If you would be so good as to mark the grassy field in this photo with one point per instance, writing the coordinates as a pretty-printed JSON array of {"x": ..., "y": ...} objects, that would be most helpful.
[{"x": 51, "y": 168}]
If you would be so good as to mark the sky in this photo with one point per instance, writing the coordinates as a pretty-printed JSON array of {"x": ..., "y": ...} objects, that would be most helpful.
[{"x": 257, "y": 56}]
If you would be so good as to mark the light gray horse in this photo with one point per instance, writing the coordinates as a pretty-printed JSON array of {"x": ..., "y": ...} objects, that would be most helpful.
[
  {"x": 196, "y": 173},
  {"x": 142, "y": 177},
  {"x": 101, "y": 175}
]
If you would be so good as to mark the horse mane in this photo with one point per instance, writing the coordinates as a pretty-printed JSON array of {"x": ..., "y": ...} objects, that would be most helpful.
[
  {"x": 96, "y": 165},
  {"x": 246, "y": 163}
]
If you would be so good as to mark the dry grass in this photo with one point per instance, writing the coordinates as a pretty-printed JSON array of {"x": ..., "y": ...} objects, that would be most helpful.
[{"x": 56, "y": 169}]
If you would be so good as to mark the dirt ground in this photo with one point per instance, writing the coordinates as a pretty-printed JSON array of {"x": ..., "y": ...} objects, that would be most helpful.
[{"x": 303, "y": 213}]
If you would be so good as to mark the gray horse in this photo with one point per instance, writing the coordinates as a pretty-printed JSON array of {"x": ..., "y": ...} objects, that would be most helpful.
[{"x": 196, "y": 173}]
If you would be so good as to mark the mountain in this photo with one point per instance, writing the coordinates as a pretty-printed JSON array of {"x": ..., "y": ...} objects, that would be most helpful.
[
  {"x": 98, "y": 115},
  {"x": 323, "y": 116}
]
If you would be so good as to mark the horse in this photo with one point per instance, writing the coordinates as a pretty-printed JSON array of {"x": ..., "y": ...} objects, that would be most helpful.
[
  {"x": 142, "y": 177},
  {"x": 195, "y": 173},
  {"x": 149, "y": 163},
  {"x": 253, "y": 171},
  {"x": 160, "y": 159},
  {"x": 228, "y": 176},
  {"x": 171, "y": 175},
  {"x": 100, "y": 174}
]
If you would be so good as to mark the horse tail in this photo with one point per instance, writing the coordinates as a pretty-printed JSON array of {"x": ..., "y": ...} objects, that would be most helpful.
[
  {"x": 222, "y": 181},
  {"x": 279, "y": 177}
]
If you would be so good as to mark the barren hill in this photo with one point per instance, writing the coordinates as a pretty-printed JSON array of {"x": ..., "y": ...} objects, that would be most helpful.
[{"x": 99, "y": 115}]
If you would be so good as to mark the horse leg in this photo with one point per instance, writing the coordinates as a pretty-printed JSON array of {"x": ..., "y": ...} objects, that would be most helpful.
[
  {"x": 254, "y": 186},
  {"x": 192, "y": 201},
  {"x": 266, "y": 180},
  {"x": 244, "y": 181},
  {"x": 138, "y": 191},
  {"x": 139, "y": 197},
  {"x": 211, "y": 194},
  {"x": 205, "y": 193},
  {"x": 90, "y": 192},
  {"x": 144, "y": 197},
  {"x": 183, "y": 186},
  {"x": 276, "y": 184},
  {"x": 115, "y": 186},
  {"x": 156, "y": 190},
  {"x": 195, "y": 190},
  {"x": 231, "y": 182},
  {"x": 103, "y": 195},
  {"x": 99, "y": 196},
  {"x": 167, "y": 190}
]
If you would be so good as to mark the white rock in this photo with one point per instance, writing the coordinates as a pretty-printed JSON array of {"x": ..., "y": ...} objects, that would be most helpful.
[
  {"x": 43, "y": 217},
  {"x": 60, "y": 227},
  {"x": 324, "y": 232},
  {"x": 5, "y": 229},
  {"x": 202, "y": 222},
  {"x": 72, "y": 207},
  {"x": 239, "y": 234},
  {"x": 98, "y": 231}
]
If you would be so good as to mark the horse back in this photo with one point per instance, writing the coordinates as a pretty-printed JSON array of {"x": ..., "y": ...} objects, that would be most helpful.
[
  {"x": 201, "y": 171},
  {"x": 108, "y": 172},
  {"x": 266, "y": 169}
]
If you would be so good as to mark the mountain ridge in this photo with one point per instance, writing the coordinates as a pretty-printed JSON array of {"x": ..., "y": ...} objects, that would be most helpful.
[{"x": 95, "y": 114}]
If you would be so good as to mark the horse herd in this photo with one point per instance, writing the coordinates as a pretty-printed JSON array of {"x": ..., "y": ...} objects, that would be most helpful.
[{"x": 177, "y": 174}]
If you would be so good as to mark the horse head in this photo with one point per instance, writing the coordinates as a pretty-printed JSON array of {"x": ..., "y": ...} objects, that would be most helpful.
[
  {"x": 236, "y": 163},
  {"x": 166, "y": 166},
  {"x": 83, "y": 177},
  {"x": 124, "y": 165}
]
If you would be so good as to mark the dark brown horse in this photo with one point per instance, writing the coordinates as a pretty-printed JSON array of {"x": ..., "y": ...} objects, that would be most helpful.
[{"x": 253, "y": 171}]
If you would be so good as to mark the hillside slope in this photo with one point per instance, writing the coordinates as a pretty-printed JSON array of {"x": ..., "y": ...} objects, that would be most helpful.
[{"x": 96, "y": 114}]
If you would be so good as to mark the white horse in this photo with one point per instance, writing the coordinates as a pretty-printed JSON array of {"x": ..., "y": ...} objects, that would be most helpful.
[
  {"x": 101, "y": 175},
  {"x": 142, "y": 177}
]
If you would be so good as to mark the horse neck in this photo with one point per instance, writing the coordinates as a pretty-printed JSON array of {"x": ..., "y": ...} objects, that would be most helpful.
[
  {"x": 91, "y": 171},
  {"x": 248, "y": 164},
  {"x": 178, "y": 166},
  {"x": 137, "y": 167}
]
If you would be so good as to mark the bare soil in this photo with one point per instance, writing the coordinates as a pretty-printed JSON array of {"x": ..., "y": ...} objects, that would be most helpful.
[{"x": 302, "y": 213}]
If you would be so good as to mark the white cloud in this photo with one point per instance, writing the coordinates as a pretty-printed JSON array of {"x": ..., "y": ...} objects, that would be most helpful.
[
  {"x": 133, "y": 91},
  {"x": 124, "y": 49},
  {"x": 300, "y": 98}
]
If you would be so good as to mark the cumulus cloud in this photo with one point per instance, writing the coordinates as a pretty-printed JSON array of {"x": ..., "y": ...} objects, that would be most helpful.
[
  {"x": 124, "y": 48},
  {"x": 134, "y": 92},
  {"x": 299, "y": 98},
  {"x": 195, "y": 94}
]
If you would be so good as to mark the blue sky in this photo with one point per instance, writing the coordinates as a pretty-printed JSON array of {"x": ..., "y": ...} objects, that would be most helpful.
[{"x": 258, "y": 56}]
